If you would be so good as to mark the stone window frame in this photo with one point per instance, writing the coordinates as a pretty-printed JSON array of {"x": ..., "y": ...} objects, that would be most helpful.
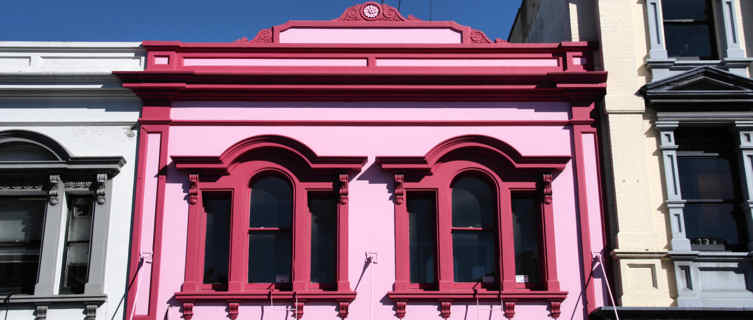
[
  {"x": 55, "y": 179},
  {"x": 687, "y": 263},
  {"x": 727, "y": 34}
]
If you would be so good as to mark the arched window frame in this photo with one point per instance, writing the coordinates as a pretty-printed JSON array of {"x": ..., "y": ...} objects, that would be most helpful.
[
  {"x": 55, "y": 179},
  {"x": 231, "y": 172},
  {"x": 434, "y": 173}
]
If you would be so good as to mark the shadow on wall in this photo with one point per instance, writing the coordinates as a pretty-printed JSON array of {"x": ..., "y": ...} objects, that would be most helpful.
[{"x": 746, "y": 11}]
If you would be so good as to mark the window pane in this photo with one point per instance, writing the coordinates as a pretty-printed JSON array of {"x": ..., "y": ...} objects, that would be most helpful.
[
  {"x": 689, "y": 40},
  {"x": 706, "y": 178},
  {"x": 271, "y": 202},
  {"x": 78, "y": 235},
  {"x": 217, "y": 245},
  {"x": 21, "y": 151},
  {"x": 714, "y": 226},
  {"x": 323, "y": 208},
  {"x": 527, "y": 229},
  {"x": 474, "y": 203},
  {"x": 20, "y": 237},
  {"x": 474, "y": 255},
  {"x": 685, "y": 9},
  {"x": 269, "y": 257},
  {"x": 423, "y": 238}
]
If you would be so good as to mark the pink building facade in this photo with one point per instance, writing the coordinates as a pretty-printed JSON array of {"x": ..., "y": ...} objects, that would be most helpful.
[{"x": 370, "y": 167}]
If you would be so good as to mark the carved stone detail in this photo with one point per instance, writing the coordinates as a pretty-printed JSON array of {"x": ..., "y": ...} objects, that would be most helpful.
[
  {"x": 479, "y": 37},
  {"x": 187, "y": 310},
  {"x": 193, "y": 188},
  {"x": 78, "y": 185},
  {"x": 26, "y": 187},
  {"x": 400, "y": 309},
  {"x": 40, "y": 312},
  {"x": 509, "y": 309},
  {"x": 53, "y": 192},
  {"x": 90, "y": 312},
  {"x": 547, "y": 179},
  {"x": 554, "y": 309},
  {"x": 342, "y": 191},
  {"x": 342, "y": 309},
  {"x": 232, "y": 310},
  {"x": 444, "y": 309},
  {"x": 384, "y": 13},
  {"x": 264, "y": 36},
  {"x": 298, "y": 306},
  {"x": 101, "y": 188},
  {"x": 399, "y": 188}
]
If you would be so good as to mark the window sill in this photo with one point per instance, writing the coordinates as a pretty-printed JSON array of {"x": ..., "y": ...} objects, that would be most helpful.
[
  {"x": 23, "y": 299},
  {"x": 447, "y": 297},
  {"x": 233, "y": 299}
]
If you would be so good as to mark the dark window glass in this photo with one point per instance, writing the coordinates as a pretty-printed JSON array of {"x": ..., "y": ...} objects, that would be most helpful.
[
  {"x": 527, "y": 229},
  {"x": 714, "y": 226},
  {"x": 689, "y": 29},
  {"x": 323, "y": 208},
  {"x": 77, "y": 244},
  {"x": 684, "y": 9},
  {"x": 707, "y": 177},
  {"x": 423, "y": 236},
  {"x": 709, "y": 182},
  {"x": 22, "y": 151},
  {"x": 474, "y": 211},
  {"x": 269, "y": 242},
  {"x": 217, "y": 206},
  {"x": 20, "y": 238}
]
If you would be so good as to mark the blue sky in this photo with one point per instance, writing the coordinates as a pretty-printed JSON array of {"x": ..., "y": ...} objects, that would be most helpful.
[{"x": 214, "y": 20}]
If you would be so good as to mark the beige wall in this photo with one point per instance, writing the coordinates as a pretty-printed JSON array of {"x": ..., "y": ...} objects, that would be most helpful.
[{"x": 637, "y": 216}]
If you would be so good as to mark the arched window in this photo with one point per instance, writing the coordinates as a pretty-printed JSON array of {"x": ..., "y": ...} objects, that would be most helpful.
[
  {"x": 268, "y": 220},
  {"x": 474, "y": 220},
  {"x": 474, "y": 228},
  {"x": 49, "y": 202},
  {"x": 269, "y": 230}
]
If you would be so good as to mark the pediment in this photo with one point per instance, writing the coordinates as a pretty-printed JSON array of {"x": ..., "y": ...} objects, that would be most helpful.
[
  {"x": 703, "y": 80},
  {"x": 371, "y": 23}
]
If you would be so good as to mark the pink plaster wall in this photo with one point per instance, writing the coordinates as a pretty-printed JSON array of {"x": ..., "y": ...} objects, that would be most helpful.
[
  {"x": 370, "y": 35},
  {"x": 594, "y": 207},
  {"x": 141, "y": 306},
  {"x": 466, "y": 62},
  {"x": 371, "y": 210},
  {"x": 371, "y": 111},
  {"x": 253, "y": 62}
]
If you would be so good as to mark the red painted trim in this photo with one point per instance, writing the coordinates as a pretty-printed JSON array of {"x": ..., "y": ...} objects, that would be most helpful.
[
  {"x": 159, "y": 223},
  {"x": 135, "y": 252},
  {"x": 498, "y": 161},
  {"x": 237, "y": 173},
  {"x": 583, "y": 111},
  {"x": 369, "y": 123}
]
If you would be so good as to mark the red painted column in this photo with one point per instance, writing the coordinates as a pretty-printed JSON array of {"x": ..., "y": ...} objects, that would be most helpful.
[
  {"x": 550, "y": 256},
  {"x": 343, "y": 284},
  {"x": 445, "y": 263},
  {"x": 581, "y": 116},
  {"x": 239, "y": 223},
  {"x": 196, "y": 237},
  {"x": 301, "y": 238},
  {"x": 507, "y": 236},
  {"x": 402, "y": 250}
]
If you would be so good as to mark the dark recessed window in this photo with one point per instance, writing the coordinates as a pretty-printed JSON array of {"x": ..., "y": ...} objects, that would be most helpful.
[
  {"x": 269, "y": 231},
  {"x": 709, "y": 182},
  {"x": 77, "y": 244},
  {"x": 474, "y": 229},
  {"x": 689, "y": 29},
  {"x": 24, "y": 151},
  {"x": 323, "y": 208},
  {"x": 20, "y": 238},
  {"x": 217, "y": 207},
  {"x": 526, "y": 215},
  {"x": 423, "y": 237}
]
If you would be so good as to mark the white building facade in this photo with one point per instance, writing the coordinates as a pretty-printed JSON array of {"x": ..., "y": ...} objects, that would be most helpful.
[{"x": 68, "y": 141}]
